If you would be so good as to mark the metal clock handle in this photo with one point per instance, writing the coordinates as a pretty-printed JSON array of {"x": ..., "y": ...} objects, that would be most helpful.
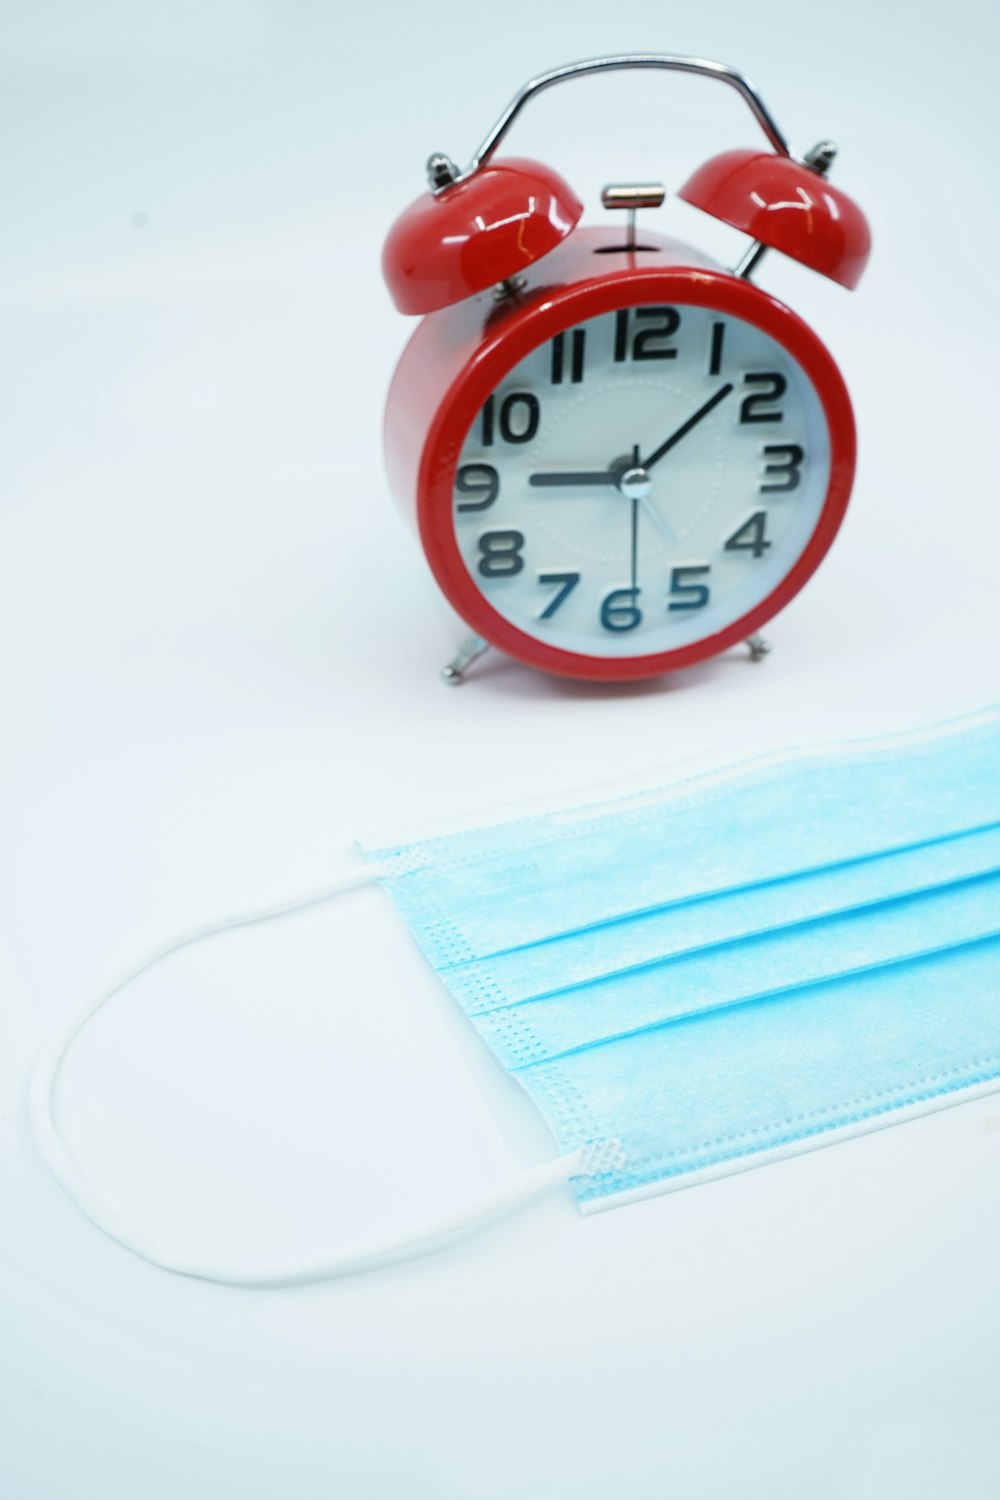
[{"x": 442, "y": 171}]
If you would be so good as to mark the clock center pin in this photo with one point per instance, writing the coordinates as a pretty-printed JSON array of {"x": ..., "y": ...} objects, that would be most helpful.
[{"x": 635, "y": 484}]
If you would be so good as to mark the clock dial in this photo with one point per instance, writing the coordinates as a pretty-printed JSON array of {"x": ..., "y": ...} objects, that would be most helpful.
[{"x": 641, "y": 481}]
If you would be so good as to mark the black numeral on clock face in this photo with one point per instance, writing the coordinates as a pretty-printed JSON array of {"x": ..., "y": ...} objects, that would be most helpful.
[
  {"x": 501, "y": 553},
  {"x": 577, "y": 347},
  {"x": 715, "y": 354},
  {"x": 619, "y": 610},
  {"x": 480, "y": 480},
  {"x": 750, "y": 536},
  {"x": 753, "y": 407},
  {"x": 567, "y": 583},
  {"x": 517, "y": 421},
  {"x": 686, "y": 592},
  {"x": 649, "y": 340},
  {"x": 785, "y": 461}
]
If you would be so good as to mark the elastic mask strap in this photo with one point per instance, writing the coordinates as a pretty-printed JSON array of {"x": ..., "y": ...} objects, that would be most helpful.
[{"x": 363, "y": 1257}]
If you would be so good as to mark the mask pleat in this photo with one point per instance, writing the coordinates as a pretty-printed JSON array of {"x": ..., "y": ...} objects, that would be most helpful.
[
  {"x": 547, "y": 968},
  {"x": 479, "y": 893},
  {"x": 749, "y": 971},
  {"x": 754, "y": 1079}
]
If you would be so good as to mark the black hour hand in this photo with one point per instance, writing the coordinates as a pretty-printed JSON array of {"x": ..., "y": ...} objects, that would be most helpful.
[{"x": 556, "y": 481}]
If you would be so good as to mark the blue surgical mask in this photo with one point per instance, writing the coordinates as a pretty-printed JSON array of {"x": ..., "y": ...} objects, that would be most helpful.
[
  {"x": 703, "y": 976},
  {"x": 717, "y": 972}
]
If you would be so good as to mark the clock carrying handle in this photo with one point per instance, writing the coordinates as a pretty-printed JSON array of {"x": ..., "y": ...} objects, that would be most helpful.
[
  {"x": 435, "y": 256},
  {"x": 700, "y": 66}
]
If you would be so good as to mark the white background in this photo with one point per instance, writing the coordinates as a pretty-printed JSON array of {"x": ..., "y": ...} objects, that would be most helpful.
[{"x": 219, "y": 664}]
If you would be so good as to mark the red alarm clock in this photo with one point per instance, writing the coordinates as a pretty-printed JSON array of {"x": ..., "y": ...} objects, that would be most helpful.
[{"x": 621, "y": 457}]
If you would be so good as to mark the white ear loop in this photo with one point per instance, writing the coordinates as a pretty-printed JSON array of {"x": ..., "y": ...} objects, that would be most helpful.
[{"x": 363, "y": 1257}]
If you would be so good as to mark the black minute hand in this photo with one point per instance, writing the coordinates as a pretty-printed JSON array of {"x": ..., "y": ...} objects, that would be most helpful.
[{"x": 685, "y": 427}]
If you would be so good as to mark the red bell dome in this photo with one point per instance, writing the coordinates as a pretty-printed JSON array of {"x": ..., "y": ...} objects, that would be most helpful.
[
  {"x": 785, "y": 205},
  {"x": 451, "y": 244}
]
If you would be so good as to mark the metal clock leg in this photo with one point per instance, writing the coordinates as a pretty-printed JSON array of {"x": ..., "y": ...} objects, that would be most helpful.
[
  {"x": 758, "y": 647},
  {"x": 471, "y": 649}
]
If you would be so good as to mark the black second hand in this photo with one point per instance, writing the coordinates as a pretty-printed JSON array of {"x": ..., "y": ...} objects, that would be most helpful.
[{"x": 635, "y": 531}]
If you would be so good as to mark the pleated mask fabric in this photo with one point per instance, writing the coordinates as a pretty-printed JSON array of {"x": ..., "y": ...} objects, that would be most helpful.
[{"x": 724, "y": 970}]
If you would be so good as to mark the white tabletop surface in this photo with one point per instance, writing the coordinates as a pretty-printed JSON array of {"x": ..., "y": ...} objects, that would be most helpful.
[{"x": 219, "y": 666}]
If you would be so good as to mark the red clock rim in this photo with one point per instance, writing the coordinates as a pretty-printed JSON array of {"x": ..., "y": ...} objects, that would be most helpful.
[{"x": 532, "y": 324}]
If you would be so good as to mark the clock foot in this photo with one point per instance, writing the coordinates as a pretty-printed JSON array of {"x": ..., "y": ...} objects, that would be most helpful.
[
  {"x": 471, "y": 649},
  {"x": 758, "y": 647}
]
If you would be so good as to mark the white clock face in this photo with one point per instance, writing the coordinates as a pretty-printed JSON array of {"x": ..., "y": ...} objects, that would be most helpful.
[{"x": 641, "y": 481}]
